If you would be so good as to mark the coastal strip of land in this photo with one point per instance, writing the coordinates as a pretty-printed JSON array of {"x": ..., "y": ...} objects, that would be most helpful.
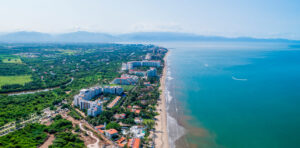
[{"x": 161, "y": 133}]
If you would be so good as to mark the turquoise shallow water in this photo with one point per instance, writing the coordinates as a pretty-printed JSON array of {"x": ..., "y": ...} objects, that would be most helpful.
[{"x": 246, "y": 95}]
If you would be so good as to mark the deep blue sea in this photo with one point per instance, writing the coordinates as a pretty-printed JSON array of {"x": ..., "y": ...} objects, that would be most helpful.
[{"x": 239, "y": 95}]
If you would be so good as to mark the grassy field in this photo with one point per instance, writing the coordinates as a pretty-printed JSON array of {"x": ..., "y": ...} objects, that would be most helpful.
[
  {"x": 68, "y": 52},
  {"x": 4, "y": 80},
  {"x": 10, "y": 59}
]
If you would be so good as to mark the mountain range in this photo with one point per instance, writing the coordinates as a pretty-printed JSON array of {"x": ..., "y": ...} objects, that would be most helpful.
[{"x": 93, "y": 37}]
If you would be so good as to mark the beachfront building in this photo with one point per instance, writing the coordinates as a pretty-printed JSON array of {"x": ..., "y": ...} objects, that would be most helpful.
[
  {"x": 138, "y": 120},
  {"x": 137, "y": 72},
  {"x": 137, "y": 131},
  {"x": 114, "y": 102},
  {"x": 148, "y": 56},
  {"x": 126, "y": 79},
  {"x": 94, "y": 108},
  {"x": 132, "y": 64},
  {"x": 152, "y": 72},
  {"x": 134, "y": 142}
]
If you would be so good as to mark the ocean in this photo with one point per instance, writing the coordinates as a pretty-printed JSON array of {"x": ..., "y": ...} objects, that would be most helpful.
[{"x": 233, "y": 94}]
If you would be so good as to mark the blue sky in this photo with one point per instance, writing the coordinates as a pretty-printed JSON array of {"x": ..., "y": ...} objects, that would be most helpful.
[{"x": 255, "y": 18}]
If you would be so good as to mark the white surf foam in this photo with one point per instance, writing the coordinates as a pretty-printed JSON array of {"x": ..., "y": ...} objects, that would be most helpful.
[
  {"x": 238, "y": 79},
  {"x": 175, "y": 131}
]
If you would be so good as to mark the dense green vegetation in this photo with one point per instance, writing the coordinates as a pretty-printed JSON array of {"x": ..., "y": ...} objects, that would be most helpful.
[
  {"x": 59, "y": 125},
  {"x": 30, "y": 136},
  {"x": 89, "y": 64},
  {"x": 35, "y": 134},
  {"x": 67, "y": 140},
  {"x": 69, "y": 68},
  {"x": 53, "y": 65},
  {"x": 21, "y": 106}
]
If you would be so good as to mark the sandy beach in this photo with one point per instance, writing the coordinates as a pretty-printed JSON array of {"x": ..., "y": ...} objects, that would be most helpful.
[{"x": 161, "y": 133}]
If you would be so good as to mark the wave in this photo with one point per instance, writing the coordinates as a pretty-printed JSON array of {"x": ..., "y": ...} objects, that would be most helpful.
[
  {"x": 238, "y": 79},
  {"x": 175, "y": 131}
]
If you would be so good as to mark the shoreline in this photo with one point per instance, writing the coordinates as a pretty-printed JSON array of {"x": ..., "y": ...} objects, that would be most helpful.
[{"x": 161, "y": 130}]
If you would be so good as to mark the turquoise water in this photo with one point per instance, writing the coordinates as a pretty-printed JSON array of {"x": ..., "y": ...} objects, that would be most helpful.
[{"x": 246, "y": 95}]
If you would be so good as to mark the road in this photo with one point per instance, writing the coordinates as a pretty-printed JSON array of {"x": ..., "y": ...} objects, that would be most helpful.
[{"x": 95, "y": 145}]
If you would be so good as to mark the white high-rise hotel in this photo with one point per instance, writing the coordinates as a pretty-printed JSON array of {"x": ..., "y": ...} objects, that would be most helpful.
[
  {"x": 132, "y": 64},
  {"x": 94, "y": 107}
]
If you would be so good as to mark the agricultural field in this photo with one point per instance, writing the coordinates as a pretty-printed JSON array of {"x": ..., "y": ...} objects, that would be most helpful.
[{"x": 8, "y": 80}]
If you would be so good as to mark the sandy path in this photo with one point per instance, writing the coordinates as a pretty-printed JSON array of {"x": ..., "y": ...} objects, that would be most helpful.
[
  {"x": 48, "y": 142},
  {"x": 161, "y": 133},
  {"x": 95, "y": 145}
]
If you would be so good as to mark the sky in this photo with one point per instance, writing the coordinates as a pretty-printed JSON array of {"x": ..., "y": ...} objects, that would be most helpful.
[{"x": 230, "y": 18}]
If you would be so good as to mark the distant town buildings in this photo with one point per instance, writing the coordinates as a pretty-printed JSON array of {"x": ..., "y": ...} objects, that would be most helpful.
[{"x": 94, "y": 108}]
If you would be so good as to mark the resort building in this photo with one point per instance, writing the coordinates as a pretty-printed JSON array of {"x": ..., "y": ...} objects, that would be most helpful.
[
  {"x": 114, "y": 102},
  {"x": 132, "y": 64},
  {"x": 94, "y": 108},
  {"x": 137, "y": 131},
  {"x": 126, "y": 79},
  {"x": 152, "y": 72},
  {"x": 148, "y": 56},
  {"x": 137, "y": 72}
]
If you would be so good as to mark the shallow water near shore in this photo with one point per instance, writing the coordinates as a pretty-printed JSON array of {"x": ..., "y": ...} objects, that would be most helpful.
[{"x": 233, "y": 95}]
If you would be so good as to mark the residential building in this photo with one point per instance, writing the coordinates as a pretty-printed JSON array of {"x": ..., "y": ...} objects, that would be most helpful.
[
  {"x": 120, "y": 116},
  {"x": 114, "y": 102},
  {"x": 111, "y": 133},
  {"x": 134, "y": 143},
  {"x": 137, "y": 131},
  {"x": 138, "y": 120}
]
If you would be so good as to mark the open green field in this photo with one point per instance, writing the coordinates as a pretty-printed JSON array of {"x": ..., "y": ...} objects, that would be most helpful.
[
  {"x": 68, "y": 52},
  {"x": 10, "y": 59},
  {"x": 7, "y": 80}
]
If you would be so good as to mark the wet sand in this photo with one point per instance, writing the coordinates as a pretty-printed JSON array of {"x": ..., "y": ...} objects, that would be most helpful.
[{"x": 161, "y": 132}]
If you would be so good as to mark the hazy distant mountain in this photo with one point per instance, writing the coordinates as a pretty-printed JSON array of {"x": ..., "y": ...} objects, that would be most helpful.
[
  {"x": 80, "y": 36},
  {"x": 25, "y": 37},
  {"x": 172, "y": 36},
  {"x": 84, "y": 37}
]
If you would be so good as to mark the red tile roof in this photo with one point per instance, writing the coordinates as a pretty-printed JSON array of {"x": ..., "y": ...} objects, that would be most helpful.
[{"x": 112, "y": 131}]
